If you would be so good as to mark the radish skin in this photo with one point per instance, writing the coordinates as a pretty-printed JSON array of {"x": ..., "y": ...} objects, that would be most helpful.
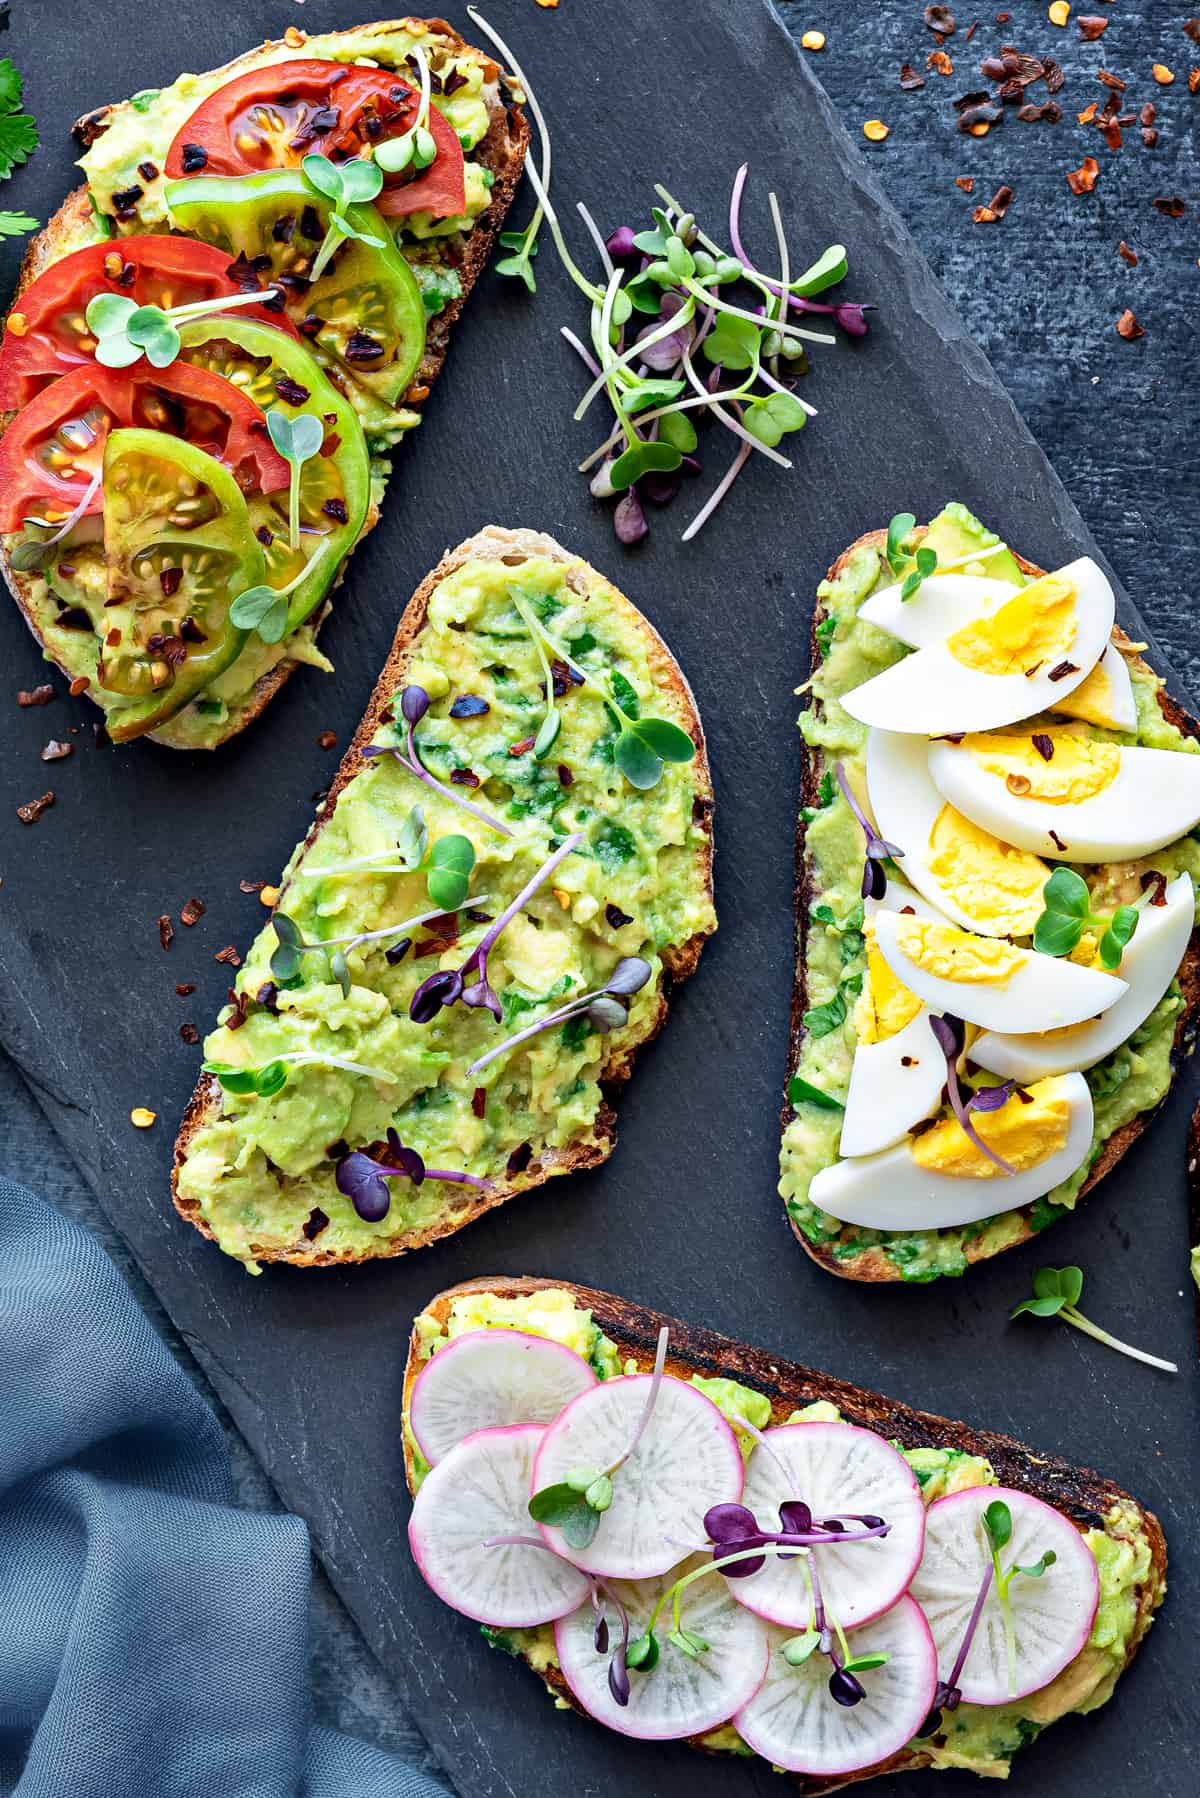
[{"x": 486, "y": 1379}]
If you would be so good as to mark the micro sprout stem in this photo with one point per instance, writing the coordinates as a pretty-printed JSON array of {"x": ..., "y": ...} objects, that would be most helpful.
[
  {"x": 620, "y": 364},
  {"x": 727, "y": 418},
  {"x": 1072, "y": 1316}
]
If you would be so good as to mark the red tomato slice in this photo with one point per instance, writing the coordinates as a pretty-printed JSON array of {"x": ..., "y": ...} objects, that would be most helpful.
[
  {"x": 46, "y": 334},
  {"x": 55, "y": 444},
  {"x": 273, "y": 117}
]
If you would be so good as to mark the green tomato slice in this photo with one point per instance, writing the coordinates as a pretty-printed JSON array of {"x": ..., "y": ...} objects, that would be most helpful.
[
  {"x": 179, "y": 548},
  {"x": 365, "y": 314},
  {"x": 280, "y": 375}
]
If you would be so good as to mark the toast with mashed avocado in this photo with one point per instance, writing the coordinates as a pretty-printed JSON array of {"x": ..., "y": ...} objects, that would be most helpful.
[
  {"x": 997, "y": 969},
  {"x": 511, "y": 869},
  {"x": 266, "y": 262},
  {"x": 515, "y": 1377}
]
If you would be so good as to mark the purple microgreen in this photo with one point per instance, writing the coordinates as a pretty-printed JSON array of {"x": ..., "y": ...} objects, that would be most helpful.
[
  {"x": 605, "y": 1008},
  {"x": 364, "y": 1181},
  {"x": 30, "y": 556},
  {"x": 414, "y": 703},
  {"x": 879, "y": 852},
  {"x": 950, "y": 1035}
]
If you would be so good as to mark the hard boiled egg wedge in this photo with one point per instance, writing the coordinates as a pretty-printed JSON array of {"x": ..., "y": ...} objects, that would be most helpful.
[
  {"x": 989, "y": 982},
  {"x": 941, "y": 605},
  {"x": 971, "y": 876},
  {"x": 1056, "y": 792},
  {"x": 1149, "y": 964},
  {"x": 1105, "y": 697},
  {"x": 898, "y": 1071},
  {"x": 939, "y": 1179},
  {"x": 1020, "y": 659}
]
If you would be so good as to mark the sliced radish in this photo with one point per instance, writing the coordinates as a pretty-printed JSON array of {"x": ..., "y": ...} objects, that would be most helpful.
[
  {"x": 480, "y": 1491},
  {"x": 1052, "y": 1616},
  {"x": 687, "y": 1459},
  {"x": 796, "y": 1723},
  {"x": 840, "y": 1471},
  {"x": 680, "y": 1695},
  {"x": 489, "y": 1378}
]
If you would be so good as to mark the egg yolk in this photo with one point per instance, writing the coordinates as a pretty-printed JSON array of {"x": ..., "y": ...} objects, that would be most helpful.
[
  {"x": 1024, "y": 1132},
  {"x": 885, "y": 1004},
  {"x": 1093, "y": 699},
  {"x": 951, "y": 954},
  {"x": 1076, "y": 769},
  {"x": 1032, "y": 630},
  {"x": 997, "y": 886}
]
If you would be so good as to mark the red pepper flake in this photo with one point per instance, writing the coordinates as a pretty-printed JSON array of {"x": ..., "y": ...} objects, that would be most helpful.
[
  {"x": 1191, "y": 28},
  {"x": 1110, "y": 80},
  {"x": 975, "y": 112},
  {"x": 464, "y": 777},
  {"x": 54, "y": 751},
  {"x": 1044, "y": 746},
  {"x": 192, "y": 912},
  {"x": 520, "y": 1158},
  {"x": 229, "y": 956},
  {"x": 1171, "y": 208},
  {"x": 1057, "y": 841},
  {"x": 940, "y": 19},
  {"x": 241, "y": 1008},
  {"x": 79, "y": 685},
  {"x": 1091, "y": 26},
  {"x": 972, "y": 28},
  {"x": 186, "y": 989},
  {"x": 616, "y": 917},
  {"x": 906, "y": 1061},
  {"x": 1054, "y": 75},
  {"x": 1083, "y": 179},
  {"x": 479, "y": 1101},
  {"x": 565, "y": 777},
  {"x": 966, "y": 182},
  {"x": 1194, "y": 81},
  {"x": 1126, "y": 254},
  {"x": 521, "y": 748},
  {"x": 1149, "y": 136},
  {"x": 924, "y": 1125},
  {"x": 252, "y": 886},
  {"x": 1002, "y": 18},
  {"x": 39, "y": 696},
  {"x": 314, "y": 1223},
  {"x": 327, "y": 739},
  {"x": 1061, "y": 670},
  {"x": 909, "y": 79},
  {"x": 166, "y": 931},
  {"x": 189, "y": 1033},
  {"x": 996, "y": 207},
  {"x": 940, "y": 62},
  {"x": 1128, "y": 327},
  {"x": 1048, "y": 110},
  {"x": 1152, "y": 877},
  {"x": 429, "y": 945}
]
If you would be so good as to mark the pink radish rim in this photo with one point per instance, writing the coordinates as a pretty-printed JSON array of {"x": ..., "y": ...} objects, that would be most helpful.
[
  {"x": 474, "y": 1336},
  {"x": 680, "y": 1554},
  {"x": 741, "y": 1589},
  {"x": 1026, "y": 1498},
  {"x": 414, "y": 1542}
]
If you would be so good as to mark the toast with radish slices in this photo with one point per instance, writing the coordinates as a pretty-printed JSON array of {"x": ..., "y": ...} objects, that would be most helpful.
[
  {"x": 597, "y": 1485},
  {"x": 871, "y": 1121}
]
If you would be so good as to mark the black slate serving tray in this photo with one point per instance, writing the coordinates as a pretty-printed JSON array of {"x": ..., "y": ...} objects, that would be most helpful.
[{"x": 685, "y": 1216}]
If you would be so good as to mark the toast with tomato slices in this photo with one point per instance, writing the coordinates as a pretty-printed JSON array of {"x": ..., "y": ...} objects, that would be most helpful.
[
  {"x": 874, "y": 1256},
  {"x": 445, "y": 256},
  {"x": 947, "y": 1457}
]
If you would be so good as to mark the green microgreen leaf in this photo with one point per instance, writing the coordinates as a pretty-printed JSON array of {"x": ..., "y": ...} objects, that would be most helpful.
[
  {"x": 297, "y": 440},
  {"x": 768, "y": 419},
  {"x": 451, "y": 862},
  {"x": 900, "y": 528},
  {"x": 17, "y": 224},
  {"x": 733, "y": 342},
  {"x": 803, "y": 1092},
  {"x": 1116, "y": 937},
  {"x": 997, "y": 1523},
  {"x": 865, "y": 1663},
  {"x": 926, "y": 564},
  {"x": 639, "y": 459},
  {"x": 1039, "y": 1567},
  {"x": 689, "y": 1641},
  {"x": 643, "y": 1653},
  {"x": 677, "y": 428},
  {"x": 1057, "y": 1291},
  {"x": 261, "y": 609},
  {"x": 554, "y": 1504},
  {"x": 800, "y": 1648},
  {"x": 830, "y": 267}
]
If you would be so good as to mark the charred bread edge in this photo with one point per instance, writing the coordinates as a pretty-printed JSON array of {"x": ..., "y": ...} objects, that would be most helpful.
[
  {"x": 494, "y": 542},
  {"x": 1082, "y": 1495},
  {"x": 502, "y": 151},
  {"x": 872, "y": 1265}
]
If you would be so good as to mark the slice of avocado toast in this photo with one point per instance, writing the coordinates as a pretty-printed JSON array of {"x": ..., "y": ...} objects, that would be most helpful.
[
  {"x": 524, "y": 810},
  {"x": 1123, "y": 1088},
  {"x": 757, "y": 1392},
  {"x": 239, "y": 189}
]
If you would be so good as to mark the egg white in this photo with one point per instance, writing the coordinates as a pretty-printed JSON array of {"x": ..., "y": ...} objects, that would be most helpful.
[
  {"x": 1154, "y": 800},
  {"x": 890, "y": 1191},
  {"x": 941, "y": 605},
  {"x": 1121, "y": 710},
  {"x": 1042, "y": 993},
  {"x": 929, "y": 693},
  {"x": 1149, "y": 964},
  {"x": 906, "y": 804},
  {"x": 885, "y": 1098}
]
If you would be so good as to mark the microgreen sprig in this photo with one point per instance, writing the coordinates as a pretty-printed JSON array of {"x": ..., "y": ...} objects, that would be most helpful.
[
  {"x": 264, "y": 608},
  {"x": 1056, "y": 1293},
  {"x": 363, "y": 1180},
  {"x": 606, "y": 1008},
  {"x": 879, "y": 852},
  {"x": 416, "y": 145},
  {"x": 297, "y": 440},
  {"x": 268, "y": 1078},
  {"x": 1068, "y": 913},
  {"x": 352, "y": 183},
  {"x": 29, "y": 557},
  {"x": 925, "y": 558},
  {"x": 414, "y": 703},
  {"x": 288, "y": 958},
  {"x": 125, "y": 331},
  {"x": 951, "y": 1038}
]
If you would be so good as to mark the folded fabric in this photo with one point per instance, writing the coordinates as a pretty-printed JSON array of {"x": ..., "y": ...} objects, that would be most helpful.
[{"x": 153, "y": 1637}]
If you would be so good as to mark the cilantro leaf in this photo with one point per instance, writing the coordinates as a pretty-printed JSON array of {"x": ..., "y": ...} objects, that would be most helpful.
[
  {"x": 10, "y": 85},
  {"x": 18, "y": 140}
]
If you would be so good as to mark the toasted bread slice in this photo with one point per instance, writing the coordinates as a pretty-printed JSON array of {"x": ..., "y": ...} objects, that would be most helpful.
[
  {"x": 502, "y": 152},
  {"x": 873, "y": 1264},
  {"x": 679, "y": 959},
  {"x": 1087, "y": 1499}
]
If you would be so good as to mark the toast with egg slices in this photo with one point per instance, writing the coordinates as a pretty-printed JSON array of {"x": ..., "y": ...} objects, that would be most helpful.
[
  {"x": 1125, "y": 1087},
  {"x": 257, "y": 1173},
  {"x": 615, "y": 1336}
]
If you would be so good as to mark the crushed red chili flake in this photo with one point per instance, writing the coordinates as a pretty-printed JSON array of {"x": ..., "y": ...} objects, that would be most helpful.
[
  {"x": 1128, "y": 327},
  {"x": 1083, "y": 179},
  {"x": 996, "y": 207},
  {"x": 229, "y": 956},
  {"x": 1149, "y": 136},
  {"x": 565, "y": 777},
  {"x": 241, "y": 1008},
  {"x": 192, "y": 912},
  {"x": 166, "y": 931},
  {"x": 1194, "y": 81},
  {"x": 1153, "y": 877},
  {"x": 429, "y": 945},
  {"x": 1044, "y": 746},
  {"x": 54, "y": 751},
  {"x": 520, "y": 1158},
  {"x": 326, "y": 739},
  {"x": 972, "y": 28},
  {"x": 189, "y": 1033},
  {"x": 966, "y": 182},
  {"x": 924, "y": 1125},
  {"x": 1089, "y": 112},
  {"x": 1126, "y": 254},
  {"x": 1091, "y": 26},
  {"x": 1048, "y": 110},
  {"x": 464, "y": 777},
  {"x": 521, "y": 748},
  {"x": 38, "y": 696},
  {"x": 1002, "y": 18},
  {"x": 975, "y": 98},
  {"x": 291, "y": 391},
  {"x": 984, "y": 112},
  {"x": 1057, "y": 841},
  {"x": 1054, "y": 74},
  {"x": 1112, "y": 134},
  {"x": 939, "y": 62},
  {"x": 314, "y": 1223},
  {"x": 1171, "y": 208},
  {"x": 186, "y": 988},
  {"x": 1061, "y": 670},
  {"x": 479, "y": 1101},
  {"x": 251, "y": 886},
  {"x": 941, "y": 19},
  {"x": 1110, "y": 80}
]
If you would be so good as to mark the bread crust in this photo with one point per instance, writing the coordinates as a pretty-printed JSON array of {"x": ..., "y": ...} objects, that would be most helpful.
[
  {"x": 1079, "y": 1493},
  {"x": 494, "y": 542},
  {"x": 872, "y": 1265},
  {"x": 502, "y": 151}
]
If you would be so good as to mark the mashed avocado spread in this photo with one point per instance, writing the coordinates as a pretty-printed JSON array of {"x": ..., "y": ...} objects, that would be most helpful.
[
  {"x": 981, "y": 1739},
  {"x": 1132, "y": 1080},
  {"x": 263, "y": 1173}
]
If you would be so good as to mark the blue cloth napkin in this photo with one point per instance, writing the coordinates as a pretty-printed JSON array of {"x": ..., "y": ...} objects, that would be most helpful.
[{"x": 153, "y": 1637}]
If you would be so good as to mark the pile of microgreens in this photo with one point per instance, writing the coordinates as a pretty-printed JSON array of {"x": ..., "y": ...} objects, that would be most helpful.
[
  {"x": 997, "y": 1530},
  {"x": 1056, "y": 1293},
  {"x": 1068, "y": 913},
  {"x": 663, "y": 303},
  {"x": 363, "y": 1180}
]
